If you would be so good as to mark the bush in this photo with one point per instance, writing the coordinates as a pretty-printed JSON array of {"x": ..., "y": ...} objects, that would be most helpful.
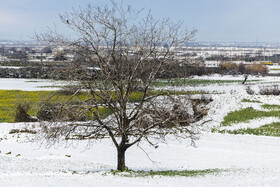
[
  {"x": 48, "y": 112},
  {"x": 249, "y": 90},
  {"x": 234, "y": 68},
  {"x": 58, "y": 112},
  {"x": 242, "y": 68},
  {"x": 13, "y": 131},
  {"x": 256, "y": 68},
  {"x": 229, "y": 66},
  {"x": 22, "y": 115},
  {"x": 274, "y": 90}
]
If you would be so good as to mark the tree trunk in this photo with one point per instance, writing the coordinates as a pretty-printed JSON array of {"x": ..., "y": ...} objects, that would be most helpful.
[
  {"x": 245, "y": 78},
  {"x": 121, "y": 159}
]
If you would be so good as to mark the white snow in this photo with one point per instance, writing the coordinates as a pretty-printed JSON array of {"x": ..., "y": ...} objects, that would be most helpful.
[
  {"x": 248, "y": 160},
  {"x": 255, "y": 82},
  {"x": 29, "y": 84}
]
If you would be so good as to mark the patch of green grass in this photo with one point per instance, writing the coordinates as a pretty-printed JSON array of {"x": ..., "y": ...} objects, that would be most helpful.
[
  {"x": 272, "y": 129},
  {"x": 250, "y": 101},
  {"x": 9, "y": 99},
  {"x": 192, "y": 82},
  {"x": 275, "y": 69},
  {"x": 170, "y": 173},
  {"x": 271, "y": 107},
  {"x": 103, "y": 112},
  {"x": 137, "y": 96},
  {"x": 247, "y": 114}
]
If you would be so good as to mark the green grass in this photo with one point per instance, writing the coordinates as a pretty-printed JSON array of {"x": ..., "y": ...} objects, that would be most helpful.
[
  {"x": 271, "y": 107},
  {"x": 192, "y": 82},
  {"x": 247, "y": 114},
  {"x": 275, "y": 69},
  {"x": 169, "y": 173},
  {"x": 9, "y": 99},
  {"x": 250, "y": 101},
  {"x": 272, "y": 129}
]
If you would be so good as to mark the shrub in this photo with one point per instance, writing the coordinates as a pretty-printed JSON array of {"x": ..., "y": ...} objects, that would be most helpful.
[
  {"x": 249, "y": 90},
  {"x": 234, "y": 68},
  {"x": 13, "y": 131},
  {"x": 274, "y": 90},
  {"x": 22, "y": 115},
  {"x": 229, "y": 66},
  {"x": 242, "y": 68},
  {"x": 257, "y": 68},
  {"x": 59, "y": 112},
  {"x": 48, "y": 112}
]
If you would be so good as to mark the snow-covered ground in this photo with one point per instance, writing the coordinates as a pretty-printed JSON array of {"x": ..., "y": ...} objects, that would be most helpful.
[
  {"x": 274, "y": 69},
  {"x": 248, "y": 160},
  {"x": 44, "y": 84},
  {"x": 255, "y": 82},
  {"x": 244, "y": 160},
  {"x": 29, "y": 84}
]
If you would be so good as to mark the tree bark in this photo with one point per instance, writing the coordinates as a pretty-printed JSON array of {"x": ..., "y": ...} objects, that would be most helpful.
[{"x": 121, "y": 159}]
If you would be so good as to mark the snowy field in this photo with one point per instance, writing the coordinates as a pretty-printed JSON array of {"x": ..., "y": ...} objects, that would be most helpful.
[
  {"x": 228, "y": 88},
  {"x": 274, "y": 69},
  {"x": 29, "y": 84},
  {"x": 243, "y": 160},
  {"x": 248, "y": 160}
]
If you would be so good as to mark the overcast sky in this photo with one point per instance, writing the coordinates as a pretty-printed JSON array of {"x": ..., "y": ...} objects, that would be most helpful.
[{"x": 216, "y": 20}]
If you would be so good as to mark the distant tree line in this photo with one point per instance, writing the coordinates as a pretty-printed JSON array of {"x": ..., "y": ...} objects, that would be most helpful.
[
  {"x": 60, "y": 70},
  {"x": 274, "y": 59}
]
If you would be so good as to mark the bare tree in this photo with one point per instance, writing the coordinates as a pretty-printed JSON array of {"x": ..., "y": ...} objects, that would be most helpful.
[{"x": 118, "y": 57}]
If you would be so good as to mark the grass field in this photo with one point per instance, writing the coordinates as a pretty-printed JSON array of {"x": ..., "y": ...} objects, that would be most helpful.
[
  {"x": 271, "y": 107},
  {"x": 272, "y": 129},
  {"x": 244, "y": 115},
  {"x": 250, "y": 101},
  {"x": 9, "y": 99}
]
